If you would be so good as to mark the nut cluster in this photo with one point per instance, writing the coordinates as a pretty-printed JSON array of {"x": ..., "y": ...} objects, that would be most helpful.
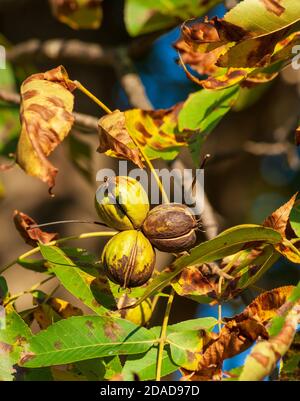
[{"x": 129, "y": 257}]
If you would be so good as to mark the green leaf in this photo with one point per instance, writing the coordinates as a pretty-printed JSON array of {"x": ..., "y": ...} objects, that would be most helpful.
[
  {"x": 145, "y": 365},
  {"x": 227, "y": 243},
  {"x": 186, "y": 340},
  {"x": 201, "y": 323},
  {"x": 251, "y": 268},
  {"x": 202, "y": 111},
  {"x": 186, "y": 347},
  {"x": 157, "y": 131},
  {"x": 295, "y": 219},
  {"x": 278, "y": 322},
  {"x": 144, "y": 16},
  {"x": 96, "y": 294},
  {"x": 233, "y": 374},
  {"x": 202, "y": 103},
  {"x": 85, "y": 337},
  {"x": 256, "y": 16},
  {"x": 36, "y": 265},
  {"x": 13, "y": 337}
]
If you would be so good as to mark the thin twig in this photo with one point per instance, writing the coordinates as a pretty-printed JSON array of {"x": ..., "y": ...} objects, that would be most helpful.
[
  {"x": 82, "y": 120},
  {"x": 79, "y": 52},
  {"x": 163, "y": 335},
  {"x": 57, "y": 242}
]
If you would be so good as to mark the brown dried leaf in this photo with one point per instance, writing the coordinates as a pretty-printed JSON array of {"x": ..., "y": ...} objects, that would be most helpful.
[
  {"x": 240, "y": 332},
  {"x": 115, "y": 139},
  {"x": 31, "y": 236},
  {"x": 279, "y": 219},
  {"x": 46, "y": 116},
  {"x": 265, "y": 354},
  {"x": 265, "y": 306}
]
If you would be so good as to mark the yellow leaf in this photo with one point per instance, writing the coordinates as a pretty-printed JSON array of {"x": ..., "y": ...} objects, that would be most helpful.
[{"x": 46, "y": 116}]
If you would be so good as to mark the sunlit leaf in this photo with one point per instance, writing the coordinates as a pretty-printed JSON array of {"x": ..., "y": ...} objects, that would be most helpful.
[
  {"x": 157, "y": 131},
  {"x": 85, "y": 337},
  {"x": 240, "y": 332},
  {"x": 265, "y": 354},
  {"x": 46, "y": 115},
  {"x": 201, "y": 112},
  {"x": 252, "y": 35},
  {"x": 92, "y": 291},
  {"x": 115, "y": 140},
  {"x": 227, "y": 243}
]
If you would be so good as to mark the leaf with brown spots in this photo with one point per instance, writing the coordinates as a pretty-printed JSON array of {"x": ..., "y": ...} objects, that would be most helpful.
[
  {"x": 86, "y": 337},
  {"x": 112, "y": 329},
  {"x": 115, "y": 139},
  {"x": 274, "y": 6},
  {"x": 240, "y": 332},
  {"x": 78, "y": 14},
  {"x": 265, "y": 306},
  {"x": 92, "y": 289},
  {"x": 32, "y": 236},
  {"x": 46, "y": 117},
  {"x": 157, "y": 131},
  {"x": 236, "y": 46},
  {"x": 282, "y": 329},
  {"x": 287, "y": 249},
  {"x": 193, "y": 284},
  {"x": 13, "y": 339}
]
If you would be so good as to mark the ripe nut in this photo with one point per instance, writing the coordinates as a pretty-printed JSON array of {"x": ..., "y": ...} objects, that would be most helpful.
[
  {"x": 140, "y": 315},
  {"x": 171, "y": 227},
  {"x": 128, "y": 259},
  {"x": 122, "y": 203}
]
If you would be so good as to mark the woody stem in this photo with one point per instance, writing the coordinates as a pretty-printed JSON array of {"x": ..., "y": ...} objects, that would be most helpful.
[
  {"x": 163, "y": 335},
  {"x": 57, "y": 242}
]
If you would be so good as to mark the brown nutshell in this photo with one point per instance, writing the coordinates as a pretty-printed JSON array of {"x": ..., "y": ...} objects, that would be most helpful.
[{"x": 171, "y": 227}]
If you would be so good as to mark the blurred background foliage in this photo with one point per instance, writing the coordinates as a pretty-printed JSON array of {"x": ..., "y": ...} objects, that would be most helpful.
[{"x": 243, "y": 184}]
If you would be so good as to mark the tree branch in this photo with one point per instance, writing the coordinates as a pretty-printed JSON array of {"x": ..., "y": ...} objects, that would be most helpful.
[
  {"x": 82, "y": 120},
  {"x": 60, "y": 50}
]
